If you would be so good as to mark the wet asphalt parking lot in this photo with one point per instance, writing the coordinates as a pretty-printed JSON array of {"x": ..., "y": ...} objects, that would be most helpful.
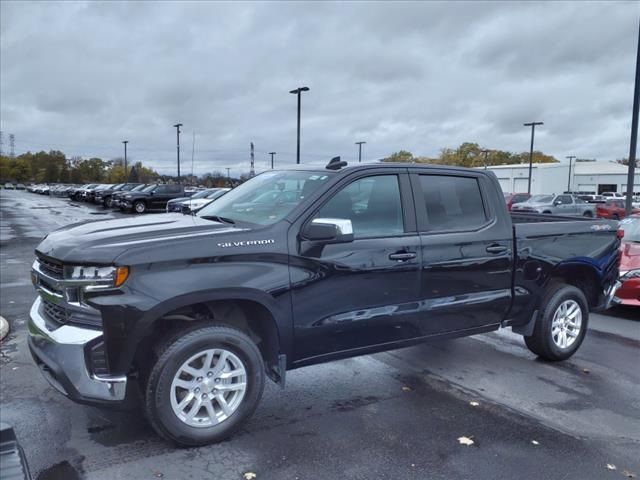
[{"x": 395, "y": 415}]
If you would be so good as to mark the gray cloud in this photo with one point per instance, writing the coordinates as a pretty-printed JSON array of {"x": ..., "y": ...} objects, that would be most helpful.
[{"x": 401, "y": 75}]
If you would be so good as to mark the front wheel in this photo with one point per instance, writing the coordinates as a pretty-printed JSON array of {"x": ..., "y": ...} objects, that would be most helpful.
[
  {"x": 204, "y": 385},
  {"x": 139, "y": 206},
  {"x": 561, "y": 325},
  {"x": 587, "y": 214}
]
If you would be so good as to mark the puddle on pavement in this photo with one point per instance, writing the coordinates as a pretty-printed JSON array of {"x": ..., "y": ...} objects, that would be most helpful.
[{"x": 60, "y": 471}]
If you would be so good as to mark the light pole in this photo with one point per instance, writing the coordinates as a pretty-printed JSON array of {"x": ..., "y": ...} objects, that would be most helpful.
[
  {"x": 360, "y": 150},
  {"x": 228, "y": 177},
  {"x": 178, "y": 125},
  {"x": 126, "y": 176},
  {"x": 634, "y": 134},
  {"x": 298, "y": 91},
  {"x": 571, "y": 158},
  {"x": 272, "y": 154},
  {"x": 485, "y": 153},
  {"x": 533, "y": 132}
]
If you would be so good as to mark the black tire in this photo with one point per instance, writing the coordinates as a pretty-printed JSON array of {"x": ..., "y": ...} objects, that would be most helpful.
[
  {"x": 541, "y": 342},
  {"x": 587, "y": 214},
  {"x": 139, "y": 206},
  {"x": 106, "y": 203},
  {"x": 615, "y": 216},
  {"x": 173, "y": 354},
  {"x": 547, "y": 212}
]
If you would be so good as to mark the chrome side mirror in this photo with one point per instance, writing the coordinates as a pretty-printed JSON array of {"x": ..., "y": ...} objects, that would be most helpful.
[{"x": 329, "y": 230}]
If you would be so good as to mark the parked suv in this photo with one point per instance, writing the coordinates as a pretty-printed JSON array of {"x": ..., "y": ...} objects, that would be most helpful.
[{"x": 188, "y": 315}]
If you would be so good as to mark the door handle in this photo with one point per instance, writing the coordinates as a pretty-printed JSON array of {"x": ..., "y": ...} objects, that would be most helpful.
[
  {"x": 402, "y": 256},
  {"x": 496, "y": 249}
]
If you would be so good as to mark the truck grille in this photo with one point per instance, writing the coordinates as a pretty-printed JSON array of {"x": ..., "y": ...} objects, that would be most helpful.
[
  {"x": 51, "y": 267},
  {"x": 56, "y": 313},
  {"x": 60, "y": 315}
]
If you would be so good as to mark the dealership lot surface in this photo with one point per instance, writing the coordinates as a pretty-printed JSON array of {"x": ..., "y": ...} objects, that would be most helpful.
[{"x": 392, "y": 415}]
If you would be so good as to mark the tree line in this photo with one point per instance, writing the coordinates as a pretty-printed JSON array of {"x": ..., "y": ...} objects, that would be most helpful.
[
  {"x": 472, "y": 155},
  {"x": 55, "y": 167}
]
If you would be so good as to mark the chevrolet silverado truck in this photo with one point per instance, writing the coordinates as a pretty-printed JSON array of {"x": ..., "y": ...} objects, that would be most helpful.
[{"x": 188, "y": 315}]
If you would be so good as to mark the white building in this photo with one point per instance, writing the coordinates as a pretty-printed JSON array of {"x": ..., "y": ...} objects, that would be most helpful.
[{"x": 592, "y": 177}]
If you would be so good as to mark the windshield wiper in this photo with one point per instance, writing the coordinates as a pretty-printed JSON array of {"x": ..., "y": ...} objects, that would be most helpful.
[{"x": 217, "y": 218}]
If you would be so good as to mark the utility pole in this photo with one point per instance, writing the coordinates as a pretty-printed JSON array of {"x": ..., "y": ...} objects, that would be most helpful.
[
  {"x": 298, "y": 91},
  {"x": 485, "y": 153},
  {"x": 1, "y": 143},
  {"x": 12, "y": 146},
  {"x": 272, "y": 154},
  {"x": 228, "y": 177},
  {"x": 634, "y": 133},
  {"x": 252, "y": 172},
  {"x": 571, "y": 158},
  {"x": 126, "y": 172},
  {"x": 178, "y": 125},
  {"x": 360, "y": 150},
  {"x": 533, "y": 132}
]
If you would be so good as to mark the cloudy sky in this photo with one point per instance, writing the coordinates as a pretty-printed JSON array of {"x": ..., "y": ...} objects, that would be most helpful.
[{"x": 83, "y": 76}]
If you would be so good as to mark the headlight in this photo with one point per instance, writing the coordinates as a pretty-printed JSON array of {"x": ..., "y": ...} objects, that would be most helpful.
[
  {"x": 630, "y": 274},
  {"x": 128, "y": 196},
  {"x": 97, "y": 278}
]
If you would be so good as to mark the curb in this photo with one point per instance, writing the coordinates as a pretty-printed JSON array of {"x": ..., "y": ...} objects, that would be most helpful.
[{"x": 4, "y": 328}]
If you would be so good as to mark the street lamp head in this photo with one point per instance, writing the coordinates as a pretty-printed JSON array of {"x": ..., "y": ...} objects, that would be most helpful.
[
  {"x": 178, "y": 125},
  {"x": 125, "y": 141},
  {"x": 298, "y": 90},
  {"x": 360, "y": 143},
  {"x": 533, "y": 123},
  {"x": 272, "y": 153}
]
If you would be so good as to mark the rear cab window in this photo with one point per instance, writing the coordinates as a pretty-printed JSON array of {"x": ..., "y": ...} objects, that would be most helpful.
[{"x": 452, "y": 203}]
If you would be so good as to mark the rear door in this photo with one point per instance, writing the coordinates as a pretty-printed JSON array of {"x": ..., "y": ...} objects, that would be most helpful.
[
  {"x": 352, "y": 296},
  {"x": 466, "y": 241}
]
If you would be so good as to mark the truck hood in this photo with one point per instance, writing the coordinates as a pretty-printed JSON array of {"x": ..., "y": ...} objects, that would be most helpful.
[{"x": 103, "y": 241}]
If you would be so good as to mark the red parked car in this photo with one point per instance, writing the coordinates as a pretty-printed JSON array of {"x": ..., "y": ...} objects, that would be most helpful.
[
  {"x": 613, "y": 209},
  {"x": 629, "y": 292},
  {"x": 512, "y": 198}
]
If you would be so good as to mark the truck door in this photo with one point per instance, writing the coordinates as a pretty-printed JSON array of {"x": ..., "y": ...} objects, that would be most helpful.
[
  {"x": 350, "y": 296},
  {"x": 466, "y": 241},
  {"x": 564, "y": 205}
]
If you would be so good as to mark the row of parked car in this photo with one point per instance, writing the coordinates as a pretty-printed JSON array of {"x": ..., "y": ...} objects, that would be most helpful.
[
  {"x": 608, "y": 205},
  {"x": 141, "y": 197}
]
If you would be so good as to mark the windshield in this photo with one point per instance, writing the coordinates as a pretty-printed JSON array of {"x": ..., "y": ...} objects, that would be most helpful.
[
  {"x": 631, "y": 227},
  {"x": 137, "y": 188},
  {"x": 201, "y": 194},
  {"x": 149, "y": 188},
  {"x": 267, "y": 198},
  {"x": 217, "y": 194},
  {"x": 541, "y": 199}
]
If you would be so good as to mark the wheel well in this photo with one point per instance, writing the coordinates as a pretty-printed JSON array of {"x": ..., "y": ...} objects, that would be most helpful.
[
  {"x": 582, "y": 277},
  {"x": 248, "y": 316},
  {"x": 547, "y": 212}
]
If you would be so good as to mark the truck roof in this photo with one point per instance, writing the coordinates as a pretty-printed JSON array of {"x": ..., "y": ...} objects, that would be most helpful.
[{"x": 367, "y": 166}]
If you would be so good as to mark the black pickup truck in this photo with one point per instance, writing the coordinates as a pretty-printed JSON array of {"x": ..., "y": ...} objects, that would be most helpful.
[
  {"x": 189, "y": 314},
  {"x": 152, "y": 197}
]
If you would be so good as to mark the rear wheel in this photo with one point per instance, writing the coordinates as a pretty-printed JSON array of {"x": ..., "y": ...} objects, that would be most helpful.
[
  {"x": 204, "y": 385},
  {"x": 587, "y": 214},
  {"x": 562, "y": 323},
  {"x": 139, "y": 206}
]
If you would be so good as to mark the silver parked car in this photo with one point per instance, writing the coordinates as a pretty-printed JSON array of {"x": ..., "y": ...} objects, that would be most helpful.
[{"x": 569, "y": 205}]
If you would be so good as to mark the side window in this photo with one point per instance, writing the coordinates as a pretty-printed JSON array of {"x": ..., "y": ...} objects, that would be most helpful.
[
  {"x": 564, "y": 199},
  {"x": 175, "y": 189},
  {"x": 453, "y": 203},
  {"x": 372, "y": 204},
  {"x": 161, "y": 189}
]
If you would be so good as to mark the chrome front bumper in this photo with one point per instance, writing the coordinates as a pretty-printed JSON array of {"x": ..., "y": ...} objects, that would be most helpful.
[
  {"x": 61, "y": 355},
  {"x": 609, "y": 295}
]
